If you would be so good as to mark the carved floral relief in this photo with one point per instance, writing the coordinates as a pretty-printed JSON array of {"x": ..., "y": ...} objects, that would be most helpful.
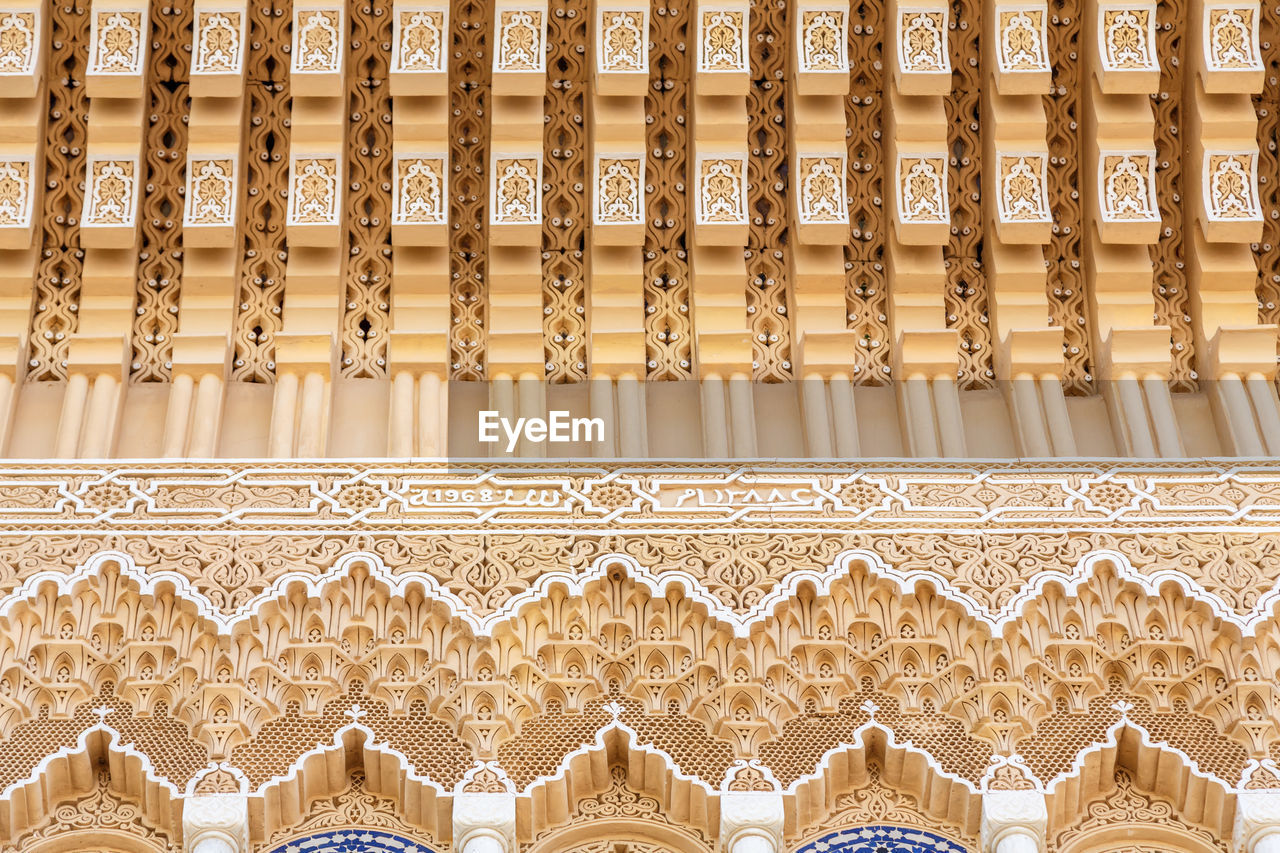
[
  {"x": 722, "y": 190},
  {"x": 922, "y": 41},
  {"x": 1022, "y": 45},
  {"x": 624, "y": 40},
  {"x": 17, "y": 42},
  {"x": 1231, "y": 38},
  {"x": 210, "y": 192},
  {"x": 1023, "y": 193},
  {"x": 723, "y": 40},
  {"x": 217, "y": 42},
  {"x": 420, "y": 191},
  {"x": 922, "y": 189},
  {"x": 15, "y": 193},
  {"x": 520, "y": 39},
  {"x": 517, "y": 190},
  {"x": 1128, "y": 187},
  {"x": 823, "y": 43},
  {"x": 111, "y": 192},
  {"x": 117, "y": 43},
  {"x": 619, "y": 190},
  {"x": 822, "y": 190},
  {"x": 1128, "y": 38},
  {"x": 1232, "y": 184},
  {"x": 317, "y": 40},
  {"x": 313, "y": 191},
  {"x": 420, "y": 39}
]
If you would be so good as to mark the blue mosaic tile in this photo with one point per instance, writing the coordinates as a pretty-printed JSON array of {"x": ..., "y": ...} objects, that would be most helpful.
[{"x": 882, "y": 839}]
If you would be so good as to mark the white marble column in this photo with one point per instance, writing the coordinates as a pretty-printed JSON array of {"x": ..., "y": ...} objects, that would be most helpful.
[
  {"x": 484, "y": 823},
  {"x": 1013, "y": 822},
  {"x": 751, "y": 822},
  {"x": 1257, "y": 822},
  {"x": 216, "y": 823}
]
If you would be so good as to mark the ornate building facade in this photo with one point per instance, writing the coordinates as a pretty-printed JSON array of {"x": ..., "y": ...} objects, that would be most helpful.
[{"x": 926, "y": 351}]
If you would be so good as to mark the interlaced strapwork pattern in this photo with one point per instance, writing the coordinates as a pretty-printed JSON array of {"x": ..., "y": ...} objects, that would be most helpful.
[
  {"x": 768, "y": 305},
  {"x": 469, "y": 92},
  {"x": 865, "y": 295},
  {"x": 1172, "y": 301},
  {"x": 966, "y": 294},
  {"x": 1267, "y": 106},
  {"x": 366, "y": 311},
  {"x": 668, "y": 332},
  {"x": 564, "y": 203},
  {"x": 164, "y": 157},
  {"x": 57, "y": 284},
  {"x": 261, "y": 300},
  {"x": 1063, "y": 255}
]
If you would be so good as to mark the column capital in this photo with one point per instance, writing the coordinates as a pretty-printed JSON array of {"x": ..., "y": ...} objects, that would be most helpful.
[
  {"x": 747, "y": 814},
  {"x": 1006, "y": 813},
  {"x": 480, "y": 816},
  {"x": 216, "y": 823},
  {"x": 1257, "y": 816}
]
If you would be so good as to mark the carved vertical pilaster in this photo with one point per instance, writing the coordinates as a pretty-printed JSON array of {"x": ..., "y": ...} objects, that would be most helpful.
[
  {"x": 1029, "y": 352},
  {"x": 926, "y": 352},
  {"x": 23, "y": 33},
  {"x": 98, "y": 352},
  {"x": 1221, "y": 196},
  {"x": 307, "y": 348},
  {"x": 210, "y": 228},
  {"x": 720, "y": 225},
  {"x": 1124, "y": 222},
  {"x": 418, "y": 351}
]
